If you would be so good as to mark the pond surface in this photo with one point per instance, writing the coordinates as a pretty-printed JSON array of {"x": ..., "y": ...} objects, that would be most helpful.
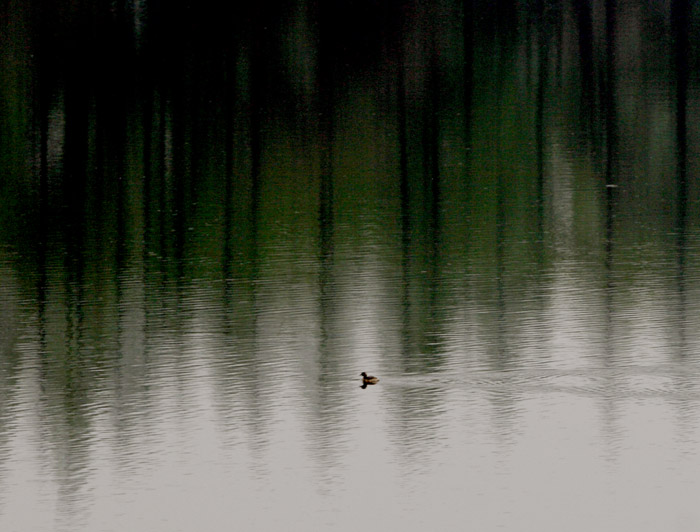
[{"x": 212, "y": 220}]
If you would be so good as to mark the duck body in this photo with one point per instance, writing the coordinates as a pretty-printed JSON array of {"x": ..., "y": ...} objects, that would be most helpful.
[{"x": 368, "y": 379}]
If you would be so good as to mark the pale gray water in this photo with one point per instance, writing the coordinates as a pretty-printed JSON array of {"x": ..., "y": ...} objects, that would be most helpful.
[
  {"x": 557, "y": 410},
  {"x": 198, "y": 258}
]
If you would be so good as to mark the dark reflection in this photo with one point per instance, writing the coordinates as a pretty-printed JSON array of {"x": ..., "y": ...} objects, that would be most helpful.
[
  {"x": 211, "y": 216},
  {"x": 584, "y": 23},
  {"x": 612, "y": 177},
  {"x": 468, "y": 27},
  {"x": 680, "y": 19},
  {"x": 611, "y": 169}
]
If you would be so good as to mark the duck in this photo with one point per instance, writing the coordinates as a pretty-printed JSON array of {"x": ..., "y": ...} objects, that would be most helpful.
[{"x": 368, "y": 379}]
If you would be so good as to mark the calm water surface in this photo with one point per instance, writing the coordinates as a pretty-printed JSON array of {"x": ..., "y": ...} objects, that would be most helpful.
[{"x": 211, "y": 221}]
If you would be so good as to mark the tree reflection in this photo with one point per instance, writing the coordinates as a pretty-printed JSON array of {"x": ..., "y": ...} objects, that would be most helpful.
[{"x": 235, "y": 206}]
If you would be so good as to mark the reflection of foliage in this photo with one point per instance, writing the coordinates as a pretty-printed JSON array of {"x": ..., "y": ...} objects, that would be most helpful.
[
  {"x": 183, "y": 201},
  {"x": 164, "y": 110}
]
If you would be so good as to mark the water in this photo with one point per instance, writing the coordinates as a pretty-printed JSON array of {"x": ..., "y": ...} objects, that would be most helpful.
[{"x": 212, "y": 220}]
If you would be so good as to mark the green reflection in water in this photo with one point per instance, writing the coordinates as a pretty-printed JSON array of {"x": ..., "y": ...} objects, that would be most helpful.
[{"x": 254, "y": 205}]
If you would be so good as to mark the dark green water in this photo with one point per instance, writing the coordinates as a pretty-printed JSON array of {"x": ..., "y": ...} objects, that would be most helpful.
[{"x": 212, "y": 220}]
